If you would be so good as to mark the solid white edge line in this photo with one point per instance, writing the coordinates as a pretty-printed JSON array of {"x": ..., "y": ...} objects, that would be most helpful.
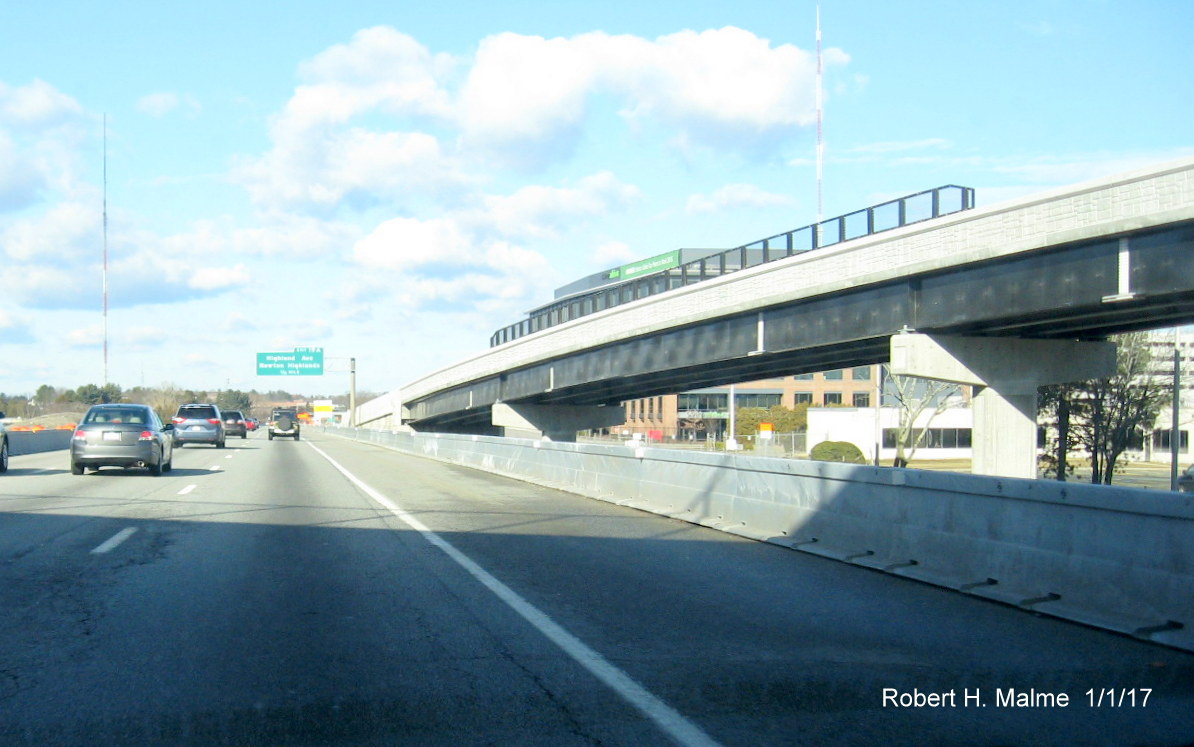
[
  {"x": 114, "y": 540},
  {"x": 668, "y": 719}
]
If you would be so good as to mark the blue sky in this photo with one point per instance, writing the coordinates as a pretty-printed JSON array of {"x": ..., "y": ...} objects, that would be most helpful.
[{"x": 392, "y": 181}]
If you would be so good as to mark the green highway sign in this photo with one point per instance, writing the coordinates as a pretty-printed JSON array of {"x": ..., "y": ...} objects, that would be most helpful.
[
  {"x": 301, "y": 362},
  {"x": 657, "y": 263}
]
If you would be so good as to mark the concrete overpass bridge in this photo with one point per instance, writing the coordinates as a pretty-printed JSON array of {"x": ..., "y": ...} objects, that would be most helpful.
[{"x": 1008, "y": 297}]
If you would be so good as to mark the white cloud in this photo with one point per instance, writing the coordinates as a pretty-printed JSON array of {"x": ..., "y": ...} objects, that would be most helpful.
[
  {"x": 20, "y": 178},
  {"x": 726, "y": 78},
  {"x": 529, "y": 88},
  {"x": 546, "y": 212},
  {"x": 736, "y": 196},
  {"x": 613, "y": 254},
  {"x": 238, "y": 322},
  {"x": 291, "y": 235},
  {"x": 409, "y": 243},
  {"x": 142, "y": 337},
  {"x": 14, "y": 327},
  {"x": 325, "y": 169},
  {"x": 381, "y": 68},
  {"x": 86, "y": 337},
  {"x": 219, "y": 278},
  {"x": 65, "y": 233},
  {"x": 382, "y": 120},
  {"x": 162, "y": 103},
  {"x": 421, "y": 263},
  {"x": 727, "y": 85},
  {"x": 37, "y": 105}
]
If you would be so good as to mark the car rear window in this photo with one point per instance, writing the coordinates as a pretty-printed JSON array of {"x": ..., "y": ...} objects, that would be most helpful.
[
  {"x": 199, "y": 412},
  {"x": 115, "y": 415},
  {"x": 233, "y": 415}
]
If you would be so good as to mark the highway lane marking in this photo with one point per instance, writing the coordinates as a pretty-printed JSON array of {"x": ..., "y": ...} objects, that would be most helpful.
[
  {"x": 114, "y": 541},
  {"x": 187, "y": 489},
  {"x": 665, "y": 717}
]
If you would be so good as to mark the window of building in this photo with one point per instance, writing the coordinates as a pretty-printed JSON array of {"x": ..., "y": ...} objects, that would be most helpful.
[
  {"x": 803, "y": 398},
  {"x": 833, "y": 398},
  {"x": 803, "y": 377},
  {"x": 754, "y": 399},
  {"x": 835, "y": 375},
  {"x": 703, "y": 401},
  {"x": 934, "y": 438},
  {"x": 862, "y": 399},
  {"x": 861, "y": 373},
  {"x": 1163, "y": 439}
]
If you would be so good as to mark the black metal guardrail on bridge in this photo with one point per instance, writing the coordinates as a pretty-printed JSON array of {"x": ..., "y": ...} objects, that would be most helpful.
[{"x": 903, "y": 211}]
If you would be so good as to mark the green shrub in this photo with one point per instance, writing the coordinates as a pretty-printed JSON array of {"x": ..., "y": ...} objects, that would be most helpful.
[{"x": 837, "y": 451}]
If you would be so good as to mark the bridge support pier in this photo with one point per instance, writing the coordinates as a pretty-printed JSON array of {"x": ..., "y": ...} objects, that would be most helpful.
[
  {"x": 553, "y": 422},
  {"x": 1009, "y": 370}
]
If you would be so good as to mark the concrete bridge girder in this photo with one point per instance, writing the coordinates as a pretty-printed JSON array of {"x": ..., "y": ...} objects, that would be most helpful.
[
  {"x": 1010, "y": 371},
  {"x": 553, "y": 422}
]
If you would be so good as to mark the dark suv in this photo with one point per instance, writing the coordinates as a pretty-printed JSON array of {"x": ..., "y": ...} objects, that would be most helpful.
[
  {"x": 199, "y": 424},
  {"x": 284, "y": 424}
]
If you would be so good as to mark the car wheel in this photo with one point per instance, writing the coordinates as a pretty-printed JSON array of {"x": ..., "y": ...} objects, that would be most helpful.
[
  {"x": 179, "y": 445},
  {"x": 271, "y": 436},
  {"x": 155, "y": 469},
  {"x": 4, "y": 455},
  {"x": 220, "y": 444},
  {"x": 76, "y": 468}
]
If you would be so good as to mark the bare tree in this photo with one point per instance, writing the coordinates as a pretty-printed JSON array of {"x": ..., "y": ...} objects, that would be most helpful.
[
  {"x": 914, "y": 397},
  {"x": 1109, "y": 415}
]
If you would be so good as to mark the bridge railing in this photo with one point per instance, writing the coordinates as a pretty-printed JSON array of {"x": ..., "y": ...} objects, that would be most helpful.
[{"x": 903, "y": 211}]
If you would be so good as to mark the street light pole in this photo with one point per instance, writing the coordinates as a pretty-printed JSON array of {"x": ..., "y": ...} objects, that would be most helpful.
[
  {"x": 352, "y": 392},
  {"x": 1175, "y": 432}
]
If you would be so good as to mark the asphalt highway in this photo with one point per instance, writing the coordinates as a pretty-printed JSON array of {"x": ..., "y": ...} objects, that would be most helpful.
[{"x": 331, "y": 592}]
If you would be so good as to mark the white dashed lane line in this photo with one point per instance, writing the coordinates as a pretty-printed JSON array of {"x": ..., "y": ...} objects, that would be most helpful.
[
  {"x": 114, "y": 541},
  {"x": 186, "y": 490}
]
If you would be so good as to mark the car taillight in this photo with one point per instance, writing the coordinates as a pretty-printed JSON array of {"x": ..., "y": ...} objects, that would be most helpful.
[
  {"x": 214, "y": 421},
  {"x": 80, "y": 435},
  {"x": 145, "y": 436},
  {"x": 176, "y": 420}
]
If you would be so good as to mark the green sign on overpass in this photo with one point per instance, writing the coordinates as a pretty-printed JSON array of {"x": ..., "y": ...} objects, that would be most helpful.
[{"x": 301, "y": 362}]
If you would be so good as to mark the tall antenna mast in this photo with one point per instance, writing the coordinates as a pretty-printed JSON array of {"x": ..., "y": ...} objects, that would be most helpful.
[
  {"x": 820, "y": 140},
  {"x": 105, "y": 250}
]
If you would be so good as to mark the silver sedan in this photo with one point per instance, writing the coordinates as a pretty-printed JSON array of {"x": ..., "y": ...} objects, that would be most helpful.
[{"x": 122, "y": 435}]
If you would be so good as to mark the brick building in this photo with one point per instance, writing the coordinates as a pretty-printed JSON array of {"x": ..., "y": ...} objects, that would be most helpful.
[{"x": 704, "y": 413}]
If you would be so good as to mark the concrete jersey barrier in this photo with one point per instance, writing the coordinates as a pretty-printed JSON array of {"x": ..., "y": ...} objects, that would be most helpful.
[
  {"x": 35, "y": 442},
  {"x": 1117, "y": 558}
]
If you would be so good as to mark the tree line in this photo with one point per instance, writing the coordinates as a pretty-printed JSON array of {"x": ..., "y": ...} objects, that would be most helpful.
[{"x": 165, "y": 399}]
